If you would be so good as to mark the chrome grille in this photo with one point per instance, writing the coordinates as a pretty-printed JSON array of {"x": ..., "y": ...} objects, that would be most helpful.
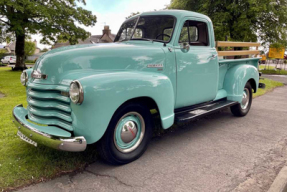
[{"x": 46, "y": 105}]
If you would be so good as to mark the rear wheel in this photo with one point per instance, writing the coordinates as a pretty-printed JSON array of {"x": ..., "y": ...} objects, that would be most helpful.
[
  {"x": 243, "y": 108},
  {"x": 127, "y": 135}
]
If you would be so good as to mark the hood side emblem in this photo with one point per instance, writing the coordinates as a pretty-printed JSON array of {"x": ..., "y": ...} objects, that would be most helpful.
[
  {"x": 158, "y": 66},
  {"x": 155, "y": 66},
  {"x": 38, "y": 75}
]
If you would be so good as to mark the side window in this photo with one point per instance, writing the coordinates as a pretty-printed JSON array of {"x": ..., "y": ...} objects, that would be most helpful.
[
  {"x": 138, "y": 33},
  {"x": 195, "y": 33},
  {"x": 127, "y": 29},
  {"x": 126, "y": 33},
  {"x": 167, "y": 31}
]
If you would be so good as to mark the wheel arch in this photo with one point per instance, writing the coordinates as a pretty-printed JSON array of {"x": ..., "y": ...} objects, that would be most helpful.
[
  {"x": 150, "y": 102},
  {"x": 253, "y": 84}
]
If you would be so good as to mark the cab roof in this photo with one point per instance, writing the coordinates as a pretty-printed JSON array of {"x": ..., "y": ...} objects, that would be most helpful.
[{"x": 176, "y": 13}]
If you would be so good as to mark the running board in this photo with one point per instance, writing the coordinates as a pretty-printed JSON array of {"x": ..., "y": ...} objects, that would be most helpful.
[{"x": 202, "y": 111}]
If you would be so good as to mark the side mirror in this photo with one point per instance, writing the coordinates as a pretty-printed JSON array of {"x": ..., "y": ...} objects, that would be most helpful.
[{"x": 184, "y": 46}]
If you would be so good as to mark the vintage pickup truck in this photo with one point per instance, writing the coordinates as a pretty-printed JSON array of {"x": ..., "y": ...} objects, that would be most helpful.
[{"x": 104, "y": 93}]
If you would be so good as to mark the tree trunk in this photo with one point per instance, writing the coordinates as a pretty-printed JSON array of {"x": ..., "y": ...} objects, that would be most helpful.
[{"x": 20, "y": 53}]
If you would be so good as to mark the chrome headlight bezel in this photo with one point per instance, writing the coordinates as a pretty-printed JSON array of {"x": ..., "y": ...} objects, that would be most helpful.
[
  {"x": 80, "y": 92},
  {"x": 24, "y": 78}
]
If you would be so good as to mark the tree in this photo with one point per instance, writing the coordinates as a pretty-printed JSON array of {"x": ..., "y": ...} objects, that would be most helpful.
[
  {"x": 243, "y": 20},
  {"x": 2, "y": 53},
  {"x": 132, "y": 14},
  {"x": 54, "y": 19},
  {"x": 30, "y": 48}
]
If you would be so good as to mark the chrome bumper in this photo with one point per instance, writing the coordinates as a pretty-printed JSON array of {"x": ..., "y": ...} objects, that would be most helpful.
[{"x": 73, "y": 144}]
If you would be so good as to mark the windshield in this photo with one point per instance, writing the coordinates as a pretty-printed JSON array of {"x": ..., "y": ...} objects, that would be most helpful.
[{"x": 154, "y": 28}]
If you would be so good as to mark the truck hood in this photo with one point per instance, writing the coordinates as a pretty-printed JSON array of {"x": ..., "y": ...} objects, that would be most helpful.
[{"x": 69, "y": 63}]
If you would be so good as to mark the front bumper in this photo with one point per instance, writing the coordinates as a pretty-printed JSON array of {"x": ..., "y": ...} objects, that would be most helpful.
[{"x": 50, "y": 136}]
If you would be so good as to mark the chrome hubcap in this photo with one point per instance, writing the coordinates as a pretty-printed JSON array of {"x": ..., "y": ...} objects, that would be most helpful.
[
  {"x": 129, "y": 132},
  {"x": 245, "y": 99}
]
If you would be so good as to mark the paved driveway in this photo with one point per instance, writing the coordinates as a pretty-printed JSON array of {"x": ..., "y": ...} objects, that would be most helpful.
[
  {"x": 217, "y": 153},
  {"x": 280, "y": 78}
]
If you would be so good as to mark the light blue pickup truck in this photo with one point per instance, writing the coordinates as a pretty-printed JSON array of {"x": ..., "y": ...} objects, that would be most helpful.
[{"x": 104, "y": 93}]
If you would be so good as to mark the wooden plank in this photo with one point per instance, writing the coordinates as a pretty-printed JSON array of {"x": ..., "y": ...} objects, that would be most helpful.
[
  {"x": 234, "y": 53},
  {"x": 236, "y": 44}
]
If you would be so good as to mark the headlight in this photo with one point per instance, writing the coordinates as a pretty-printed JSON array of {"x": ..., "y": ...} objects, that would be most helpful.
[
  {"x": 24, "y": 78},
  {"x": 76, "y": 92}
]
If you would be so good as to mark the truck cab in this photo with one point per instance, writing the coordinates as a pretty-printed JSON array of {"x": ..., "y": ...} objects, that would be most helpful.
[{"x": 165, "y": 61}]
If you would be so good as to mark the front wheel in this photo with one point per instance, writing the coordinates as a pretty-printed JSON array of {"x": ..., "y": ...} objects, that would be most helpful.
[
  {"x": 241, "y": 109},
  {"x": 127, "y": 135}
]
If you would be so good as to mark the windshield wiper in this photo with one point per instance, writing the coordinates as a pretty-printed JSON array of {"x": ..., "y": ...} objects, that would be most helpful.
[{"x": 152, "y": 40}]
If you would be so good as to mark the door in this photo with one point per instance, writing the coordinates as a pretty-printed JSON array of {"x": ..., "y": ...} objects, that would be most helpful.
[{"x": 197, "y": 64}]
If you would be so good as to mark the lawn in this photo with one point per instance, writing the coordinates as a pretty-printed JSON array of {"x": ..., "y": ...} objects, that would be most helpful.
[
  {"x": 21, "y": 163},
  {"x": 270, "y": 85},
  {"x": 270, "y": 70}
]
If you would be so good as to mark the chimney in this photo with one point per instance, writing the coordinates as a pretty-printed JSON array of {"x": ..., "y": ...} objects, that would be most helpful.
[
  {"x": 35, "y": 42},
  {"x": 106, "y": 30}
]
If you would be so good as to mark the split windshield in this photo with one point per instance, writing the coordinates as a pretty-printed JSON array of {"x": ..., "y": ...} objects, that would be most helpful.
[{"x": 148, "y": 28}]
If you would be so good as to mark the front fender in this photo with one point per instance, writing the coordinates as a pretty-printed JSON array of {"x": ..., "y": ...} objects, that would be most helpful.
[
  {"x": 105, "y": 93},
  {"x": 236, "y": 79}
]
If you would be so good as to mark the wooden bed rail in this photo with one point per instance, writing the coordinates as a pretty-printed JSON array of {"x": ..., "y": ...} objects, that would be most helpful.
[{"x": 237, "y": 44}]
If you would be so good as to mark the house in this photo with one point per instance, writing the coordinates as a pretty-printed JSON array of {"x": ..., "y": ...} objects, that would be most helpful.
[
  {"x": 35, "y": 56},
  {"x": 106, "y": 37},
  {"x": 11, "y": 47}
]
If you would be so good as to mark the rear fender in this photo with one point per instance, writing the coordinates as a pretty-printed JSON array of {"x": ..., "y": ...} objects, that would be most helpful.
[{"x": 236, "y": 79}]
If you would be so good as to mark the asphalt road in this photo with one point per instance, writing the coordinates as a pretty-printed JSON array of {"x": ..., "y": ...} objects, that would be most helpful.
[{"x": 217, "y": 153}]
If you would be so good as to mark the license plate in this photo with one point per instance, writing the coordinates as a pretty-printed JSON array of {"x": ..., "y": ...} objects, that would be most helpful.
[{"x": 24, "y": 138}]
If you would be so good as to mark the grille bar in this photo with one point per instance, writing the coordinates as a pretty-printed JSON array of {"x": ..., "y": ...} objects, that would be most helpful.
[
  {"x": 49, "y": 104},
  {"x": 50, "y": 113},
  {"x": 48, "y": 87},
  {"x": 47, "y": 95},
  {"x": 46, "y": 121}
]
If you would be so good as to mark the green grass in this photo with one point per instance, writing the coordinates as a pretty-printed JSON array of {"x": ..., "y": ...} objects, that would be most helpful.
[
  {"x": 270, "y": 70},
  {"x": 21, "y": 163},
  {"x": 270, "y": 85}
]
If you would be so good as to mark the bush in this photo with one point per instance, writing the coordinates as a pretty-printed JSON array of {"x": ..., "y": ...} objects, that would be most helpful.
[
  {"x": 29, "y": 61},
  {"x": 3, "y": 64}
]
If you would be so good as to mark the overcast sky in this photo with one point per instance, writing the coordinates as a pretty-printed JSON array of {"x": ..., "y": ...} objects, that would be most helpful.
[{"x": 114, "y": 12}]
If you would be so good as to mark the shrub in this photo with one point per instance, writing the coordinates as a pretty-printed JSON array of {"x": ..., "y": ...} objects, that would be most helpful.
[{"x": 29, "y": 61}]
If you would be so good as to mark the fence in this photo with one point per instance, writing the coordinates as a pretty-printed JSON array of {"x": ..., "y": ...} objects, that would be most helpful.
[{"x": 276, "y": 63}]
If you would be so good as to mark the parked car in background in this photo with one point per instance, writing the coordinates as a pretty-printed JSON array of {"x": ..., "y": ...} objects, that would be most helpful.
[{"x": 9, "y": 60}]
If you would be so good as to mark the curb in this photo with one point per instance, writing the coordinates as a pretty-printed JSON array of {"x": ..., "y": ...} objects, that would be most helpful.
[{"x": 280, "y": 182}]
